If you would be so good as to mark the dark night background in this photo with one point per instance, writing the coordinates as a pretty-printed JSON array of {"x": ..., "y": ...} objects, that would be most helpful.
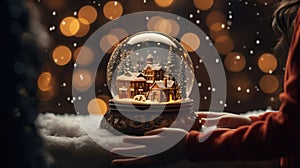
[{"x": 251, "y": 22}]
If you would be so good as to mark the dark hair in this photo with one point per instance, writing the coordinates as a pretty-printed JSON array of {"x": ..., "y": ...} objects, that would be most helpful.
[{"x": 283, "y": 22}]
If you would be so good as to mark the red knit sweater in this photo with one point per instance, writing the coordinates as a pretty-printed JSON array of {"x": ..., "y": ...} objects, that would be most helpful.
[{"x": 271, "y": 135}]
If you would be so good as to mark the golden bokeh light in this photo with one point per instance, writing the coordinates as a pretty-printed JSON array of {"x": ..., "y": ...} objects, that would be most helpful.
[
  {"x": 222, "y": 35},
  {"x": 217, "y": 26},
  {"x": 44, "y": 81},
  {"x": 86, "y": 55},
  {"x": 224, "y": 47},
  {"x": 113, "y": 10},
  {"x": 215, "y": 17},
  {"x": 119, "y": 33},
  {"x": 61, "y": 55},
  {"x": 84, "y": 28},
  {"x": 267, "y": 63},
  {"x": 235, "y": 62},
  {"x": 82, "y": 80},
  {"x": 163, "y": 26},
  {"x": 269, "y": 84},
  {"x": 69, "y": 26},
  {"x": 152, "y": 22},
  {"x": 190, "y": 41},
  {"x": 97, "y": 106},
  {"x": 108, "y": 43},
  {"x": 54, "y": 4},
  {"x": 88, "y": 13},
  {"x": 203, "y": 4},
  {"x": 163, "y": 3}
]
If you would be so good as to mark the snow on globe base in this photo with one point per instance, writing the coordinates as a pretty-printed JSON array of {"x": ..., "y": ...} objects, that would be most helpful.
[{"x": 150, "y": 76}]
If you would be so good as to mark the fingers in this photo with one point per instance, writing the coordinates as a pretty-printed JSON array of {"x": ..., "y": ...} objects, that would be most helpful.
[
  {"x": 134, "y": 151},
  {"x": 154, "y": 132},
  {"x": 143, "y": 140},
  {"x": 133, "y": 162}
]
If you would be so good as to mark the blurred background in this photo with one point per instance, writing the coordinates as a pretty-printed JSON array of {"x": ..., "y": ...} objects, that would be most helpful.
[{"x": 239, "y": 29}]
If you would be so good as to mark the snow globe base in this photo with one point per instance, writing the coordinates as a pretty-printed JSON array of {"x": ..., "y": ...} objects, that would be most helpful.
[{"x": 146, "y": 121}]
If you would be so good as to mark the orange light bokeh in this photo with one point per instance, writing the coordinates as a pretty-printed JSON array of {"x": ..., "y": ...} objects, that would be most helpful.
[
  {"x": 190, "y": 41},
  {"x": 235, "y": 62},
  {"x": 163, "y": 3},
  {"x": 203, "y": 4},
  {"x": 88, "y": 13},
  {"x": 108, "y": 43},
  {"x": 86, "y": 55},
  {"x": 82, "y": 80},
  {"x": 224, "y": 47},
  {"x": 69, "y": 26},
  {"x": 269, "y": 84},
  {"x": 97, "y": 106},
  {"x": 267, "y": 63},
  {"x": 61, "y": 55},
  {"x": 44, "y": 81},
  {"x": 113, "y": 10}
]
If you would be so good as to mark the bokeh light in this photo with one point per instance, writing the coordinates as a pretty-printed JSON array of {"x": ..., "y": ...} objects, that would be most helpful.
[
  {"x": 69, "y": 26},
  {"x": 235, "y": 62},
  {"x": 215, "y": 17},
  {"x": 152, "y": 22},
  {"x": 269, "y": 84},
  {"x": 97, "y": 106},
  {"x": 84, "y": 28},
  {"x": 219, "y": 36},
  {"x": 203, "y": 4},
  {"x": 87, "y": 13},
  {"x": 82, "y": 80},
  {"x": 61, "y": 55},
  {"x": 119, "y": 33},
  {"x": 44, "y": 81},
  {"x": 267, "y": 63},
  {"x": 86, "y": 55},
  {"x": 108, "y": 43},
  {"x": 224, "y": 45},
  {"x": 190, "y": 41},
  {"x": 163, "y": 3},
  {"x": 113, "y": 10},
  {"x": 54, "y": 4}
]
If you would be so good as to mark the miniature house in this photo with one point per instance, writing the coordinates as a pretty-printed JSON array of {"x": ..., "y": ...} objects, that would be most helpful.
[
  {"x": 162, "y": 91},
  {"x": 151, "y": 83}
]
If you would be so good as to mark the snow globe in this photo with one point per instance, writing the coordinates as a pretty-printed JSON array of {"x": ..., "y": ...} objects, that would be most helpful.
[{"x": 150, "y": 77}]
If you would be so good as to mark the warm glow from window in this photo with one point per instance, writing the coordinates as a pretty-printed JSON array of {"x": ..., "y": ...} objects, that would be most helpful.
[
  {"x": 97, "y": 106},
  {"x": 61, "y": 55},
  {"x": 113, "y": 10},
  {"x": 267, "y": 63},
  {"x": 190, "y": 41},
  {"x": 203, "y": 4},
  {"x": 269, "y": 84},
  {"x": 69, "y": 26},
  {"x": 88, "y": 13},
  {"x": 235, "y": 62}
]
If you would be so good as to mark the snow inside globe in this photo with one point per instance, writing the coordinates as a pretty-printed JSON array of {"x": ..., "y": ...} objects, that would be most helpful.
[{"x": 150, "y": 77}]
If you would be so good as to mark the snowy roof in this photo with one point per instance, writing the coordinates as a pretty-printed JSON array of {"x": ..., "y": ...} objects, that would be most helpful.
[
  {"x": 161, "y": 84},
  {"x": 149, "y": 56},
  {"x": 131, "y": 76},
  {"x": 154, "y": 66}
]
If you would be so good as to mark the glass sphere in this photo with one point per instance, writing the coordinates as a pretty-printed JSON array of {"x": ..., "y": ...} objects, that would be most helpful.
[{"x": 150, "y": 60}]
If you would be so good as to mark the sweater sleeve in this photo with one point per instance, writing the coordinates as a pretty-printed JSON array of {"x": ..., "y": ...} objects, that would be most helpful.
[{"x": 270, "y": 135}]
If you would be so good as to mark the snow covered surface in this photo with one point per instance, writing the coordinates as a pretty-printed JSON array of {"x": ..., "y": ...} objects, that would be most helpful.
[{"x": 70, "y": 146}]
